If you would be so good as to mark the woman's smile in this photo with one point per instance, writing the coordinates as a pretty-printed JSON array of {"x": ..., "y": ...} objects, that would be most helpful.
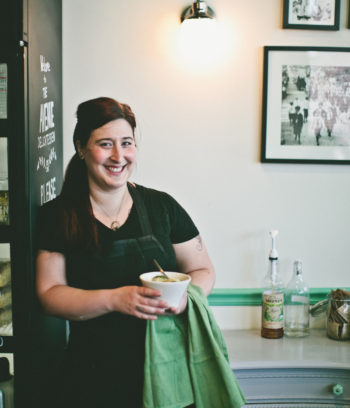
[{"x": 115, "y": 169}]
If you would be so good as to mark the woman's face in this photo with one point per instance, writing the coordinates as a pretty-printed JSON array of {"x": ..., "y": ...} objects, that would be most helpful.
[{"x": 110, "y": 155}]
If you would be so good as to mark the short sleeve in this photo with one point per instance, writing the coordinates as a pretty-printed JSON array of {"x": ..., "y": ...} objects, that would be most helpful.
[
  {"x": 182, "y": 226},
  {"x": 49, "y": 235}
]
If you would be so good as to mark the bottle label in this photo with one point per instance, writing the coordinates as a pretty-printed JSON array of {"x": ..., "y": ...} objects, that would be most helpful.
[
  {"x": 272, "y": 310},
  {"x": 299, "y": 299}
]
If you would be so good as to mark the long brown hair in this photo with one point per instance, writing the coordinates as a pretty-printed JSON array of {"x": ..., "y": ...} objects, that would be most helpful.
[{"x": 79, "y": 224}]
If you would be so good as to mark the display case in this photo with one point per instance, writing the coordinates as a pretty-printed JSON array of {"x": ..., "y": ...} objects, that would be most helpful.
[
  {"x": 6, "y": 328},
  {"x": 4, "y": 182},
  {"x": 31, "y": 343}
]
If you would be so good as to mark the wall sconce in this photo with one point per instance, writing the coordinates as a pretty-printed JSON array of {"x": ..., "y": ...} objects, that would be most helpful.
[
  {"x": 202, "y": 43},
  {"x": 199, "y": 9}
]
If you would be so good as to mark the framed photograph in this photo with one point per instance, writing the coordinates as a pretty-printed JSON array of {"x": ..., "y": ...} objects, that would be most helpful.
[
  {"x": 311, "y": 14},
  {"x": 306, "y": 105}
]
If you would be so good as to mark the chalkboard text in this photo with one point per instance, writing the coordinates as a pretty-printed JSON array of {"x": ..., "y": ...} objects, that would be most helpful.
[
  {"x": 46, "y": 140},
  {"x": 46, "y": 162},
  {"x": 46, "y": 116},
  {"x": 48, "y": 191},
  {"x": 44, "y": 65}
]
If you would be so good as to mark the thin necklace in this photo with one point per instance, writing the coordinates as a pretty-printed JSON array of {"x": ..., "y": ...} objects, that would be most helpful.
[{"x": 115, "y": 224}]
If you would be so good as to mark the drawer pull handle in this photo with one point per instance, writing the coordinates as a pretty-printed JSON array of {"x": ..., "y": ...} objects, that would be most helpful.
[{"x": 338, "y": 390}]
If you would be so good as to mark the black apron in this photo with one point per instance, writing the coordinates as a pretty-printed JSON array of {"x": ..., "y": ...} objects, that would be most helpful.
[{"x": 105, "y": 355}]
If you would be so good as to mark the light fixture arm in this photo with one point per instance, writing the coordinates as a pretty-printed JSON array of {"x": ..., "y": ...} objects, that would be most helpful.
[{"x": 199, "y": 9}]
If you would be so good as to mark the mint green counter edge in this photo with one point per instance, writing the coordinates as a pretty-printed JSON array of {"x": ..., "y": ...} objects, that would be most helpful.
[{"x": 252, "y": 296}]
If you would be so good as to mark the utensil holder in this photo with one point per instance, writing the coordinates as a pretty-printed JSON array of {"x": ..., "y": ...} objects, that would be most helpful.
[{"x": 338, "y": 316}]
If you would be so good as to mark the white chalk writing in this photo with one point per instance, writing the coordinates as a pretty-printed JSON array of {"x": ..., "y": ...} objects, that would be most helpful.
[
  {"x": 46, "y": 116},
  {"x": 48, "y": 191},
  {"x": 44, "y": 66},
  {"x": 46, "y": 162},
  {"x": 46, "y": 140}
]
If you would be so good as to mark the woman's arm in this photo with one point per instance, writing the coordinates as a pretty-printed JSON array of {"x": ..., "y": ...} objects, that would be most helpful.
[
  {"x": 192, "y": 258},
  {"x": 67, "y": 302}
]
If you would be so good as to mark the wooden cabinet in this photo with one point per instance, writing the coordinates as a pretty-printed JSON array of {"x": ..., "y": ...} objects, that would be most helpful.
[{"x": 310, "y": 372}]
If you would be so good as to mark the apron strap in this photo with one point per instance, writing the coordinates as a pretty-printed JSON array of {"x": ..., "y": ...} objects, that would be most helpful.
[{"x": 140, "y": 209}]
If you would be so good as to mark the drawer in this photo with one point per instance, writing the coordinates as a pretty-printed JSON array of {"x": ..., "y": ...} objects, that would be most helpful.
[{"x": 295, "y": 387}]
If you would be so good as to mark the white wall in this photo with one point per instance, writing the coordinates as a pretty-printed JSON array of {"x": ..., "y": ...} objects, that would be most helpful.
[{"x": 200, "y": 134}]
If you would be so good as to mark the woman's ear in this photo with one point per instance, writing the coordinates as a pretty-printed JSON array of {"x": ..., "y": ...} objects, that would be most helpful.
[{"x": 79, "y": 150}]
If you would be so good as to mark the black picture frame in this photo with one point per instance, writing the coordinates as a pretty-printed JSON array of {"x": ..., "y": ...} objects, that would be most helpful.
[
  {"x": 317, "y": 79},
  {"x": 305, "y": 15}
]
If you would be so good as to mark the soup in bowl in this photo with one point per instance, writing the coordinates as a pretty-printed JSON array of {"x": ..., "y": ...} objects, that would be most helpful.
[{"x": 172, "y": 289}]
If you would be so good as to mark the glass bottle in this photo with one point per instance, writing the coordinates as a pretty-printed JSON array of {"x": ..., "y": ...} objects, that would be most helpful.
[
  {"x": 297, "y": 304},
  {"x": 272, "y": 297}
]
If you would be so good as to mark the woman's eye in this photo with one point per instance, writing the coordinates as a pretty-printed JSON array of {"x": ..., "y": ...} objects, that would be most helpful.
[
  {"x": 106, "y": 144},
  {"x": 127, "y": 144}
]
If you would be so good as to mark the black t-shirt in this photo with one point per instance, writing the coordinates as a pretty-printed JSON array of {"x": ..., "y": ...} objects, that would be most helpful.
[
  {"x": 169, "y": 222},
  {"x": 166, "y": 216}
]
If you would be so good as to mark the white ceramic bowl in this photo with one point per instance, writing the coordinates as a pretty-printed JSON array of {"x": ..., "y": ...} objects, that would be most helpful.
[{"x": 171, "y": 291}]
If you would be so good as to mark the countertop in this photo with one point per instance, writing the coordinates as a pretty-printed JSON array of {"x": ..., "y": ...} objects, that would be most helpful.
[{"x": 247, "y": 349}]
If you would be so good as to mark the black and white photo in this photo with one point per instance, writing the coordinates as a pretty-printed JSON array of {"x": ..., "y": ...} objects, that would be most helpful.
[
  {"x": 306, "y": 115},
  {"x": 311, "y": 14}
]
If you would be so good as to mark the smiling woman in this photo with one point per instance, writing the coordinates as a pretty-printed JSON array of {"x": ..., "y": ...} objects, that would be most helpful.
[{"x": 94, "y": 241}]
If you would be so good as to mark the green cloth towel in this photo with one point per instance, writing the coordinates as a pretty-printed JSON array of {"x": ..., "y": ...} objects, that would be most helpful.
[{"x": 186, "y": 360}]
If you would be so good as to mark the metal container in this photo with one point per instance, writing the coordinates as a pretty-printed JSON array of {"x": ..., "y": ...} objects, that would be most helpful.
[
  {"x": 338, "y": 315},
  {"x": 338, "y": 331}
]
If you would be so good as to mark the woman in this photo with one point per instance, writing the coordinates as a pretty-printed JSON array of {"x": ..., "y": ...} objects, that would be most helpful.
[{"x": 94, "y": 241}]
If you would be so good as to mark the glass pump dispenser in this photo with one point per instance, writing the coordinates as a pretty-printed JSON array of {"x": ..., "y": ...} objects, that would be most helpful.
[
  {"x": 297, "y": 304},
  {"x": 272, "y": 296}
]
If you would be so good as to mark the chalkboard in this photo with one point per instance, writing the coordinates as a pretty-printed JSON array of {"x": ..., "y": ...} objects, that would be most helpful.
[
  {"x": 45, "y": 172},
  {"x": 45, "y": 100}
]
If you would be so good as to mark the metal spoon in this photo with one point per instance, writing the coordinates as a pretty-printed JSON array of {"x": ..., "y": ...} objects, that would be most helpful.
[{"x": 160, "y": 268}]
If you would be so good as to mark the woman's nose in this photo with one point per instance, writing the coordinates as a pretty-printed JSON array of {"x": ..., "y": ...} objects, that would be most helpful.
[{"x": 116, "y": 153}]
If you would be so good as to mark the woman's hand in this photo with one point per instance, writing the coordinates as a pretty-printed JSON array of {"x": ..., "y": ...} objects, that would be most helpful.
[
  {"x": 138, "y": 301},
  {"x": 181, "y": 308}
]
